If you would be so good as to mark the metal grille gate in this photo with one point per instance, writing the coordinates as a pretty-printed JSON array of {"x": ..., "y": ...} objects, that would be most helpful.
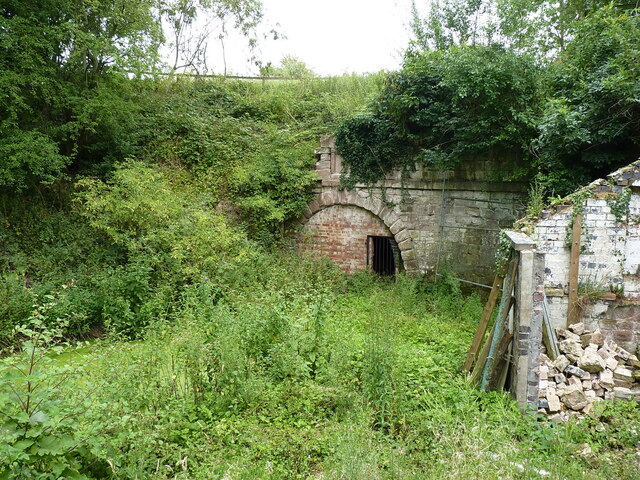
[{"x": 383, "y": 255}]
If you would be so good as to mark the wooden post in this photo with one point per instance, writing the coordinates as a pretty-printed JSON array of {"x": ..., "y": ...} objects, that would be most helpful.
[
  {"x": 484, "y": 322},
  {"x": 574, "y": 269}
]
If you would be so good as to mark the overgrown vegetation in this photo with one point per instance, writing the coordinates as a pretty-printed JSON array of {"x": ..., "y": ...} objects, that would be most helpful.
[
  {"x": 297, "y": 374},
  {"x": 150, "y": 216},
  {"x": 548, "y": 89}
]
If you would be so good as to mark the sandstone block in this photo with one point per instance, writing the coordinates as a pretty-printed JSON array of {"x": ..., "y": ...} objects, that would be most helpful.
[
  {"x": 567, "y": 335},
  {"x": 554, "y": 403},
  {"x": 622, "y": 392},
  {"x": 623, "y": 374},
  {"x": 575, "y": 381},
  {"x": 596, "y": 338},
  {"x": 543, "y": 372},
  {"x": 559, "y": 378},
  {"x": 590, "y": 361},
  {"x": 561, "y": 363},
  {"x": 621, "y": 383},
  {"x": 577, "y": 372},
  {"x": 606, "y": 379},
  {"x": 577, "y": 328},
  {"x": 571, "y": 347},
  {"x": 574, "y": 398},
  {"x": 623, "y": 354}
]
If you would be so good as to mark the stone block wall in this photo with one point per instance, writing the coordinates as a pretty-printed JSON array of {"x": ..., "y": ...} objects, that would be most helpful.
[
  {"x": 609, "y": 271},
  {"x": 435, "y": 216}
]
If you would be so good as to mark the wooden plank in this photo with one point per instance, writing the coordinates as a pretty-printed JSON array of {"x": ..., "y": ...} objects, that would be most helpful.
[
  {"x": 479, "y": 368},
  {"x": 548, "y": 333},
  {"x": 476, "y": 373},
  {"x": 574, "y": 269},
  {"x": 503, "y": 314},
  {"x": 501, "y": 362},
  {"x": 484, "y": 322}
]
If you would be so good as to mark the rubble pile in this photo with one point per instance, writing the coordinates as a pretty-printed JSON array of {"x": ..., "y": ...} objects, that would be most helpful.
[{"x": 588, "y": 370}]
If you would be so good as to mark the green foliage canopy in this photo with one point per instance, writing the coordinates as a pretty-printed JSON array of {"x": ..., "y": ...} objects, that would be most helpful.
[
  {"x": 425, "y": 110},
  {"x": 552, "y": 83}
]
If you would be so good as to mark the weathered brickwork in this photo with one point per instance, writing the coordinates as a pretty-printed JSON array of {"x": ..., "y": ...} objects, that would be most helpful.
[
  {"x": 340, "y": 233},
  {"x": 431, "y": 224},
  {"x": 609, "y": 258}
]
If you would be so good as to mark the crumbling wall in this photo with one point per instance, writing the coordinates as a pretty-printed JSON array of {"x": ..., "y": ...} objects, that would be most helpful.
[{"x": 609, "y": 271}]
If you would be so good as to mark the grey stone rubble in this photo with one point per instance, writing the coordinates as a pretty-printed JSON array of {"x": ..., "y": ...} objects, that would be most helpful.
[{"x": 590, "y": 369}]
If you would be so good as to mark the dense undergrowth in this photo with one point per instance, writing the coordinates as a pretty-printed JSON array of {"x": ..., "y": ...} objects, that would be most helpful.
[
  {"x": 150, "y": 216},
  {"x": 300, "y": 373},
  {"x": 212, "y": 172}
]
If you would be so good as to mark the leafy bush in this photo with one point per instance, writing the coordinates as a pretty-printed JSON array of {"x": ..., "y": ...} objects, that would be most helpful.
[
  {"x": 38, "y": 434},
  {"x": 443, "y": 107}
]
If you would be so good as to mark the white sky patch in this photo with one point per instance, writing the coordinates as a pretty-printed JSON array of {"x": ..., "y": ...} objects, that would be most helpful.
[{"x": 331, "y": 36}]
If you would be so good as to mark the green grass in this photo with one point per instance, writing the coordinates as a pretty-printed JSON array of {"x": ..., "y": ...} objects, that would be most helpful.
[{"x": 357, "y": 380}]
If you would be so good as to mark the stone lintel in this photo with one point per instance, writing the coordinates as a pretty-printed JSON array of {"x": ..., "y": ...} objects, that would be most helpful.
[{"x": 520, "y": 241}]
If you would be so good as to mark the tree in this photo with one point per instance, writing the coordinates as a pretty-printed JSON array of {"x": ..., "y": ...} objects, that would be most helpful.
[
  {"x": 290, "y": 67},
  {"x": 66, "y": 101},
  {"x": 556, "y": 83},
  {"x": 452, "y": 22},
  {"x": 189, "y": 38},
  {"x": 56, "y": 61},
  {"x": 591, "y": 120}
]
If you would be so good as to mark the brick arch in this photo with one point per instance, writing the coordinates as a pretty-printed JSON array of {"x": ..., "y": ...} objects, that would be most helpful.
[{"x": 332, "y": 196}]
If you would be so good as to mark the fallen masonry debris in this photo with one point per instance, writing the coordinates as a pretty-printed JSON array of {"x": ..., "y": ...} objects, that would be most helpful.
[{"x": 590, "y": 370}]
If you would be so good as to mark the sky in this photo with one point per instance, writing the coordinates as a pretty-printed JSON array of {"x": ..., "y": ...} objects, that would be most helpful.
[{"x": 331, "y": 36}]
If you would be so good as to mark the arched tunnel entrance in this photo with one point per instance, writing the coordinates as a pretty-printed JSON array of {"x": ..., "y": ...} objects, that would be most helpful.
[{"x": 353, "y": 238}]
